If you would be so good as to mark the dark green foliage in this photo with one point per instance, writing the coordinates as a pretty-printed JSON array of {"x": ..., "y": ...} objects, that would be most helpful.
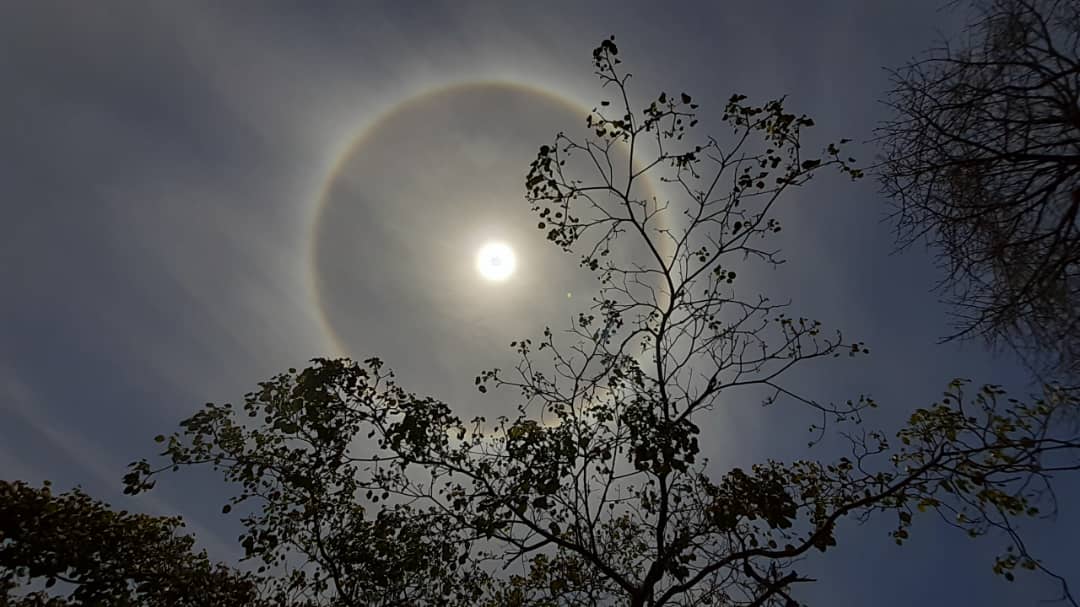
[
  {"x": 302, "y": 478},
  {"x": 103, "y": 557}
]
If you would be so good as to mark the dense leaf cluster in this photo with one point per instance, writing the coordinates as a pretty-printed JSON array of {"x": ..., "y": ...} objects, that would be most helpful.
[{"x": 70, "y": 549}]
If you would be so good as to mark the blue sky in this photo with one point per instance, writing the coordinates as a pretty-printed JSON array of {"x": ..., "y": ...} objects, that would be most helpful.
[{"x": 164, "y": 163}]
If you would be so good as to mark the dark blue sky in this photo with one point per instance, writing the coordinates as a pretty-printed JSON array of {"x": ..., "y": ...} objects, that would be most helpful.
[{"x": 163, "y": 164}]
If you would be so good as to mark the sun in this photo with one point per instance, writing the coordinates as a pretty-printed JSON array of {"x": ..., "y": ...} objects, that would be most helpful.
[{"x": 495, "y": 261}]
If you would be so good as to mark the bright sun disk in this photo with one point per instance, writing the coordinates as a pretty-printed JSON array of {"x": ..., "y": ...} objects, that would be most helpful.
[{"x": 495, "y": 261}]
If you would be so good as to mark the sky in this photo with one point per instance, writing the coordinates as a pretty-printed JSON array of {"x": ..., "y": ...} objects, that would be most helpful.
[{"x": 198, "y": 195}]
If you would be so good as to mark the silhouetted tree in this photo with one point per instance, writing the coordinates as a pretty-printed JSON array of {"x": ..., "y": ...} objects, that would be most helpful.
[
  {"x": 103, "y": 557},
  {"x": 595, "y": 492},
  {"x": 982, "y": 160}
]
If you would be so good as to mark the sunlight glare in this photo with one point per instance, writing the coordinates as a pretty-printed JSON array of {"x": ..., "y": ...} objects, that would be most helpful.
[{"x": 495, "y": 261}]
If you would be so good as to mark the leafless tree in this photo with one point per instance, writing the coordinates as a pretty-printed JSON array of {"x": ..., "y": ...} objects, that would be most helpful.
[{"x": 982, "y": 161}]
